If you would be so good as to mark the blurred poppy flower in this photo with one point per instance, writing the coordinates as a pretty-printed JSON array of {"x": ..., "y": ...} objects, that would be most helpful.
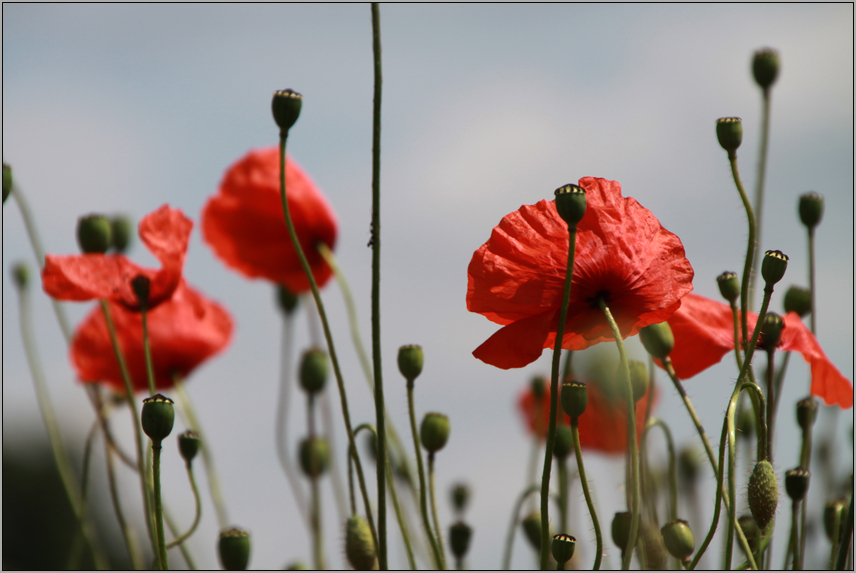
[
  {"x": 165, "y": 233},
  {"x": 603, "y": 425},
  {"x": 244, "y": 224},
  {"x": 704, "y": 333},
  {"x": 623, "y": 255},
  {"x": 183, "y": 332}
]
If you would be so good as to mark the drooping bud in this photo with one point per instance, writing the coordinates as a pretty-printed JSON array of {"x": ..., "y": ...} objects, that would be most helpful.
[
  {"x": 188, "y": 445},
  {"x": 286, "y": 299},
  {"x": 621, "y": 529},
  {"x": 745, "y": 422},
  {"x": 678, "y": 538},
  {"x": 313, "y": 370},
  {"x": 798, "y": 300},
  {"x": 141, "y": 284},
  {"x": 359, "y": 544},
  {"x": 771, "y": 330},
  {"x": 571, "y": 204},
  {"x": 563, "y": 548},
  {"x": 574, "y": 399},
  {"x": 765, "y": 67},
  {"x": 689, "y": 465},
  {"x": 638, "y": 379},
  {"x": 434, "y": 431},
  {"x": 234, "y": 549},
  {"x": 93, "y": 234},
  {"x": 532, "y": 529},
  {"x": 750, "y": 529},
  {"x": 539, "y": 386},
  {"x": 314, "y": 456},
  {"x": 811, "y": 209},
  {"x": 651, "y": 540},
  {"x": 729, "y": 286},
  {"x": 120, "y": 233},
  {"x": 410, "y": 361},
  {"x": 460, "y": 497},
  {"x": 729, "y": 132},
  {"x": 773, "y": 268},
  {"x": 286, "y": 106},
  {"x": 459, "y": 538},
  {"x": 806, "y": 412},
  {"x": 21, "y": 274},
  {"x": 763, "y": 493},
  {"x": 658, "y": 339},
  {"x": 7, "y": 181},
  {"x": 563, "y": 445},
  {"x": 833, "y": 516},
  {"x": 158, "y": 417},
  {"x": 796, "y": 483}
]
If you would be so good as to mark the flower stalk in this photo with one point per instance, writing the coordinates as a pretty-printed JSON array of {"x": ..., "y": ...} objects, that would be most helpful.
[{"x": 575, "y": 425}]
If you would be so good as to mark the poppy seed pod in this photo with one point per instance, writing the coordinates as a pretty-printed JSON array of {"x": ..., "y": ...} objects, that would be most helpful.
[
  {"x": 460, "y": 497},
  {"x": 563, "y": 548},
  {"x": 763, "y": 493},
  {"x": 188, "y": 445},
  {"x": 798, "y": 300},
  {"x": 811, "y": 209},
  {"x": 771, "y": 330},
  {"x": 157, "y": 417},
  {"x": 20, "y": 274},
  {"x": 638, "y": 379},
  {"x": 234, "y": 549},
  {"x": 142, "y": 286},
  {"x": 93, "y": 234},
  {"x": 571, "y": 204},
  {"x": 729, "y": 132},
  {"x": 359, "y": 544},
  {"x": 313, "y": 370},
  {"x": 314, "y": 456},
  {"x": 120, "y": 229},
  {"x": 286, "y": 299},
  {"x": 796, "y": 483},
  {"x": 410, "y": 361},
  {"x": 658, "y": 339},
  {"x": 765, "y": 67},
  {"x": 574, "y": 399},
  {"x": 434, "y": 431},
  {"x": 621, "y": 529},
  {"x": 532, "y": 529},
  {"x": 7, "y": 181},
  {"x": 806, "y": 413},
  {"x": 678, "y": 538},
  {"x": 459, "y": 538},
  {"x": 729, "y": 286},
  {"x": 286, "y": 106},
  {"x": 563, "y": 445},
  {"x": 773, "y": 268}
]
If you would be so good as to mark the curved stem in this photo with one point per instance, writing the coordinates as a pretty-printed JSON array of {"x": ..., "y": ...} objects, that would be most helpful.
[
  {"x": 162, "y": 557},
  {"x": 127, "y": 535},
  {"x": 438, "y": 531},
  {"x": 719, "y": 498},
  {"x": 750, "y": 248},
  {"x": 592, "y": 512},
  {"x": 198, "y": 516},
  {"x": 673, "y": 476},
  {"x": 515, "y": 519}
]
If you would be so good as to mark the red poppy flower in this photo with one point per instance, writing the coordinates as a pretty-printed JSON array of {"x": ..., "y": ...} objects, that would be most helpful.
[
  {"x": 244, "y": 222},
  {"x": 623, "y": 255},
  {"x": 183, "y": 332},
  {"x": 165, "y": 233},
  {"x": 704, "y": 333},
  {"x": 602, "y": 427}
]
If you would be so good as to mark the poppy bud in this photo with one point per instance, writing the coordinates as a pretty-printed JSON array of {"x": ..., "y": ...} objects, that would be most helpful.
[
  {"x": 410, "y": 361},
  {"x": 771, "y": 330},
  {"x": 574, "y": 399},
  {"x": 563, "y": 445},
  {"x": 539, "y": 386},
  {"x": 806, "y": 412},
  {"x": 93, "y": 234},
  {"x": 796, "y": 483},
  {"x": 20, "y": 274},
  {"x": 765, "y": 67},
  {"x": 745, "y": 422},
  {"x": 532, "y": 528},
  {"x": 158, "y": 417},
  {"x": 763, "y": 493},
  {"x": 286, "y": 299},
  {"x": 689, "y": 465},
  {"x": 120, "y": 232},
  {"x": 729, "y": 132},
  {"x": 678, "y": 538},
  {"x": 655, "y": 552},
  {"x": 188, "y": 445},
  {"x": 729, "y": 286},
  {"x": 798, "y": 300},
  {"x": 314, "y": 456},
  {"x": 773, "y": 268},
  {"x": 571, "y": 204},
  {"x": 286, "y": 106},
  {"x": 313, "y": 370},
  {"x": 811, "y": 209},
  {"x": 460, "y": 497},
  {"x": 141, "y": 285},
  {"x": 359, "y": 544},
  {"x": 563, "y": 548},
  {"x": 434, "y": 431},
  {"x": 234, "y": 549},
  {"x": 750, "y": 529},
  {"x": 658, "y": 339},
  {"x": 459, "y": 538},
  {"x": 621, "y": 529},
  {"x": 7, "y": 181},
  {"x": 833, "y": 514},
  {"x": 638, "y": 379}
]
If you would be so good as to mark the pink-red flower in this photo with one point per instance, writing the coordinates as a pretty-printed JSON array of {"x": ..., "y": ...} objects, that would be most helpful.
[
  {"x": 623, "y": 255},
  {"x": 245, "y": 226},
  {"x": 183, "y": 332},
  {"x": 704, "y": 333},
  {"x": 165, "y": 233}
]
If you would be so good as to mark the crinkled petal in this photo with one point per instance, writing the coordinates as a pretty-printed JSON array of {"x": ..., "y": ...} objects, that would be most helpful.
[{"x": 517, "y": 344}]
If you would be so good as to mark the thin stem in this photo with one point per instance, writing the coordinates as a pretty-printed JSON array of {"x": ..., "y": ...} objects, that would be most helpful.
[
  {"x": 718, "y": 504},
  {"x": 438, "y": 531},
  {"x": 772, "y": 400},
  {"x": 314, "y": 493},
  {"x": 198, "y": 516},
  {"x": 794, "y": 544},
  {"x": 335, "y": 475},
  {"x": 750, "y": 247},
  {"x": 844, "y": 548},
  {"x": 127, "y": 535},
  {"x": 162, "y": 556},
  {"x": 150, "y": 371},
  {"x": 563, "y": 495},
  {"x": 735, "y": 314},
  {"x": 811, "y": 276},
  {"x": 673, "y": 475},
  {"x": 592, "y": 512},
  {"x": 515, "y": 520},
  {"x": 759, "y": 184},
  {"x": 554, "y": 401},
  {"x": 363, "y": 489}
]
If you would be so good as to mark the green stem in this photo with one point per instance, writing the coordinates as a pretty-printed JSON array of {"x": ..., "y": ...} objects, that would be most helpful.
[
  {"x": 150, "y": 371},
  {"x": 554, "y": 401},
  {"x": 198, "y": 516},
  {"x": 750, "y": 248},
  {"x": 794, "y": 543},
  {"x": 515, "y": 520},
  {"x": 127, "y": 535},
  {"x": 844, "y": 548},
  {"x": 718, "y": 505},
  {"x": 363, "y": 490},
  {"x": 673, "y": 475},
  {"x": 759, "y": 184},
  {"x": 811, "y": 276},
  {"x": 438, "y": 532},
  {"x": 563, "y": 495},
  {"x": 335, "y": 473},
  {"x": 735, "y": 315},
  {"x": 772, "y": 400},
  {"x": 162, "y": 557},
  {"x": 592, "y": 512}
]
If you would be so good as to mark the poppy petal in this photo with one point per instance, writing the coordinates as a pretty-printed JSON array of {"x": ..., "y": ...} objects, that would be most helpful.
[{"x": 517, "y": 344}]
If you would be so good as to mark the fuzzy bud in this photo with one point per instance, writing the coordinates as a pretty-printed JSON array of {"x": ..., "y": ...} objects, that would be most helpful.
[
  {"x": 833, "y": 517},
  {"x": 460, "y": 497},
  {"x": 359, "y": 544},
  {"x": 563, "y": 445},
  {"x": 532, "y": 529},
  {"x": 763, "y": 493},
  {"x": 234, "y": 549}
]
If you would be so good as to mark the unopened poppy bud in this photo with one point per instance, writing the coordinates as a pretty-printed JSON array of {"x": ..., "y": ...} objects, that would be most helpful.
[
  {"x": 729, "y": 286},
  {"x": 574, "y": 399},
  {"x": 157, "y": 417},
  {"x": 120, "y": 233},
  {"x": 729, "y": 132},
  {"x": 658, "y": 339},
  {"x": 188, "y": 445},
  {"x": 359, "y": 544},
  {"x": 410, "y": 361},
  {"x": 621, "y": 529},
  {"x": 571, "y": 204},
  {"x": 459, "y": 538},
  {"x": 563, "y": 548},
  {"x": 763, "y": 493},
  {"x": 798, "y": 300},
  {"x": 539, "y": 386},
  {"x": 20, "y": 274},
  {"x": 532, "y": 528},
  {"x": 833, "y": 515},
  {"x": 313, "y": 370},
  {"x": 796, "y": 483},
  {"x": 678, "y": 538},
  {"x": 773, "y": 268},
  {"x": 141, "y": 285},
  {"x": 460, "y": 497},
  {"x": 286, "y": 299},
  {"x": 811, "y": 209},
  {"x": 286, "y": 106},
  {"x": 563, "y": 445},
  {"x": 314, "y": 456},
  {"x": 7, "y": 181},
  {"x": 765, "y": 67},
  {"x": 638, "y": 379},
  {"x": 655, "y": 552},
  {"x": 93, "y": 234},
  {"x": 745, "y": 422},
  {"x": 234, "y": 549},
  {"x": 750, "y": 529},
  {"x": 689, "y": 465},
  {"x": 806, "y": 412},
  {"x": 771, "y": 330},
  {"x": 434, "y": 431}
]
